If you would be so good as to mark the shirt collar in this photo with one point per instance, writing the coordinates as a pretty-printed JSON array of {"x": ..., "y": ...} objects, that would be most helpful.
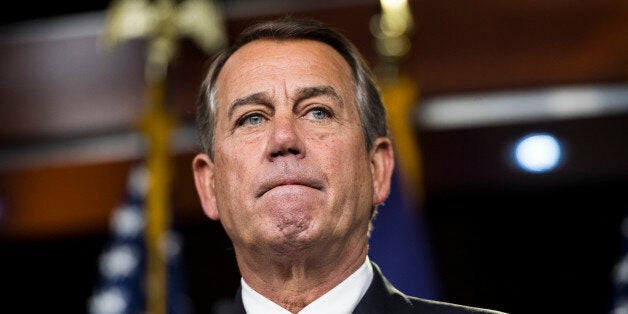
[{"x": 342, "y": 299}]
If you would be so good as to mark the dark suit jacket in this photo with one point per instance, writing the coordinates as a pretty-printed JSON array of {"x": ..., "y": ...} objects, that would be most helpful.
[{"x": 382, "y": 298}]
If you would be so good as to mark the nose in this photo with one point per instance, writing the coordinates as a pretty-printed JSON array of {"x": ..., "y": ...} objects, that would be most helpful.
[{"x": 284, "y": 139}]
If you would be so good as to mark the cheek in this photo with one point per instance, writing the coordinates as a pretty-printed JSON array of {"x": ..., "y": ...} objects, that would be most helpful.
[
  {"x": 231, "y": 175},
  {"x": 347, "y": 164},
  {"x": 230, "y": 200}
]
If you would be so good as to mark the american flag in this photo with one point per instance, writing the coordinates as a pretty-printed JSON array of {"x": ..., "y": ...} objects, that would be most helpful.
[
  {"x": 620, "y": 274},
  {"x": 120, "y": 288}
]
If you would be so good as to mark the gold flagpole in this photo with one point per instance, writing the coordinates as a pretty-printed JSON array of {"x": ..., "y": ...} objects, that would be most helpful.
[
  {"x": 163, "y": 23},
  {"x": 156, "y": 125},
  {"x": 391, "y": 29}
]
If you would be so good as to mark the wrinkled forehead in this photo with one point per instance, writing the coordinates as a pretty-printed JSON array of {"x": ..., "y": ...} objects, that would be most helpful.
[{"x": 261, "y": 64}]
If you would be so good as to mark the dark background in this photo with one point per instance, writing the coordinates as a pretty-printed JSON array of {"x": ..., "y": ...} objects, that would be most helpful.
[{"x": 502, "y": 238}]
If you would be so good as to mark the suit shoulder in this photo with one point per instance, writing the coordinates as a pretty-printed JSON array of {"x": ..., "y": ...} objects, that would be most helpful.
[
  {"x": 383, "y": 297},
  {"x": 438, "y": 307}
]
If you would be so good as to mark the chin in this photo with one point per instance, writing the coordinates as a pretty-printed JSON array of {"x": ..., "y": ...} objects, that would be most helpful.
[{"x": 293, "y": 239}]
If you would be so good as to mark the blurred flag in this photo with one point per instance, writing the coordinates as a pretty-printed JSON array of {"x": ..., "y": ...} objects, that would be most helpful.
[
  {"x": 120, "y": 288},
  {"x": 399, "y": 242},
  {"x": 620, "y": 275},
  {"x": 399, "y": 245}
]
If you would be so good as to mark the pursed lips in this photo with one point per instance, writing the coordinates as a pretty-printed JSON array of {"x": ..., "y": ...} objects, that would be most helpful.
[{"x": 284, "y": 181}]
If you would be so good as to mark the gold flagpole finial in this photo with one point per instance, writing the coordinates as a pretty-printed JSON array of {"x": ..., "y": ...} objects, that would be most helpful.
[
  {"x": 163, "y": 23},
  {"x": 391, "y": 30}
]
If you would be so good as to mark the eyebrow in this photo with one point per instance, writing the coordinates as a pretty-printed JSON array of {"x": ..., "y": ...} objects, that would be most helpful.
[
  {"x": 315, "y": 91},
  {"x": 256, "y": 98},
  {"x": 302, "y": 94}
]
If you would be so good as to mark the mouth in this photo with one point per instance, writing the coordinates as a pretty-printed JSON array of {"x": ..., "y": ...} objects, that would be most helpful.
[{"x": 286, "y": 181}]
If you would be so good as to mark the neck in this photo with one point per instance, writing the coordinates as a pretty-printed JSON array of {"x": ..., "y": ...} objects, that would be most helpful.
[{"x": 295, "y": 280}]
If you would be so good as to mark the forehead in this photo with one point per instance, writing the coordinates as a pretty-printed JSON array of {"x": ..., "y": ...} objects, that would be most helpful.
[{"x": 261, "y": 64}]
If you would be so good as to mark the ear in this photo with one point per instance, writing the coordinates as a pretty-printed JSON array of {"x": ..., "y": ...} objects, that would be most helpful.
[
  {"x": 203, "y": 168},
  {"x": 382, "y": 165}
]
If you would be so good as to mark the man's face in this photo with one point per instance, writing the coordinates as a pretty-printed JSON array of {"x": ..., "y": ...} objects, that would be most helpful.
[{"x": 290, "y": 170}]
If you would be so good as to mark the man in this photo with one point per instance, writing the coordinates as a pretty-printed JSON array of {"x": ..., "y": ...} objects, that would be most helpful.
[{"x": 296, "y": 158}]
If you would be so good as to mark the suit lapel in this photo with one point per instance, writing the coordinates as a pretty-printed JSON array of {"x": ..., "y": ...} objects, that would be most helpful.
[
  {"x": 377, "y": 297},
  {"x": 235, "y": 307}
]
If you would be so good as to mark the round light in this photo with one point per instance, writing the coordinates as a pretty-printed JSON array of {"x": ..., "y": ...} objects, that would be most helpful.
[{"x": 538, "y": 153}]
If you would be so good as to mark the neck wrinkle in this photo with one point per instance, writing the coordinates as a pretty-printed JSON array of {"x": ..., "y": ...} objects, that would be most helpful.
[{"x": 293, "y": 283}]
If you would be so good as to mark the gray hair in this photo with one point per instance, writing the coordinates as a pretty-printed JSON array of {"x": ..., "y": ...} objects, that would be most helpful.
[{"x": 367, "y": 96}]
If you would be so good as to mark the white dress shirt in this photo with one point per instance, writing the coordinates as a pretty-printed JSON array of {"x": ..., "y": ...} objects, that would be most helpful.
[{"x": 342, "y": 299}]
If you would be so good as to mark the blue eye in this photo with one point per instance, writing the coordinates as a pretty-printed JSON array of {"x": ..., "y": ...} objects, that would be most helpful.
[
  {"x": 253, "y": 119},
  {"x": 319, "y": 114}
]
